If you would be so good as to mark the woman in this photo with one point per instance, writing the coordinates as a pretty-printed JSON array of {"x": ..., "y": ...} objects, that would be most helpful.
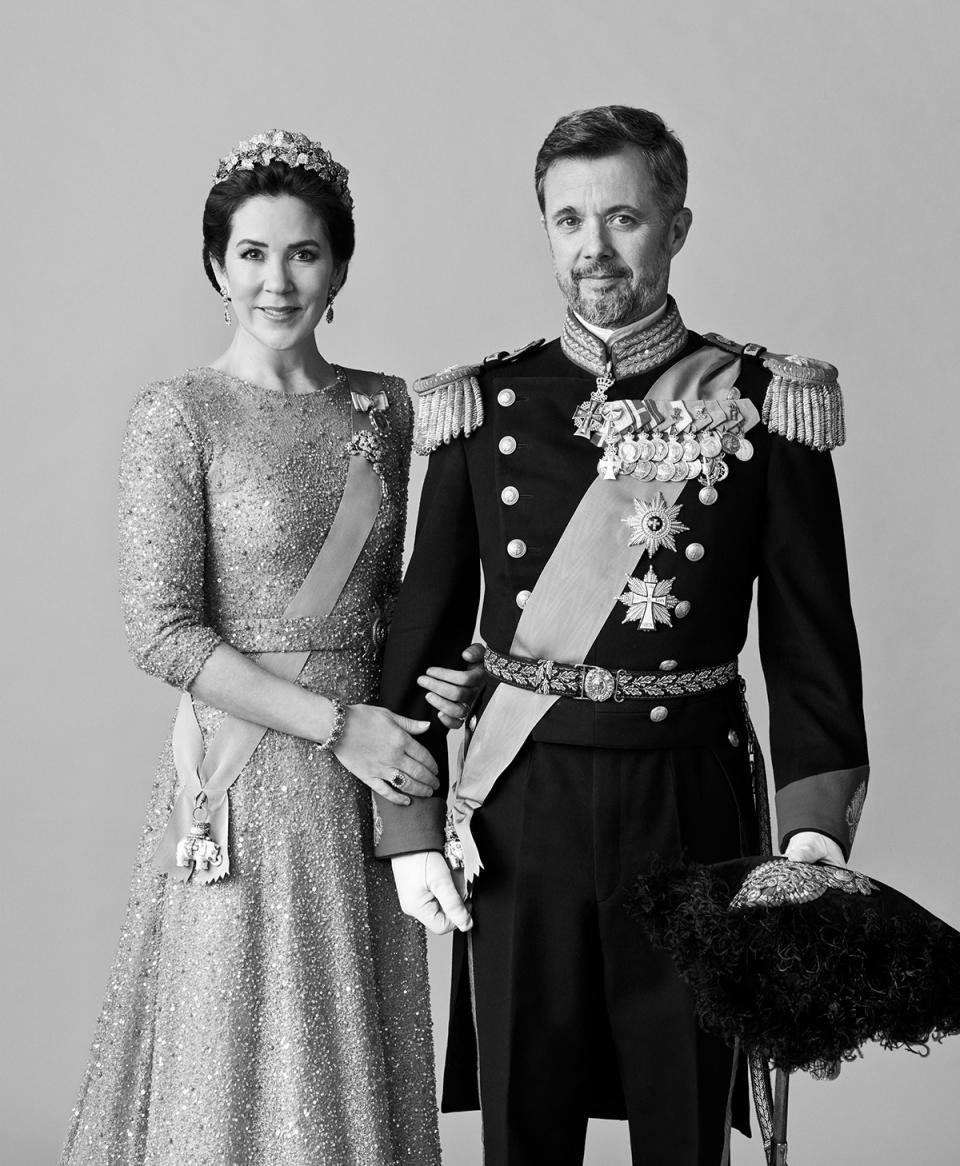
[{"x": 269, "y": 1002}]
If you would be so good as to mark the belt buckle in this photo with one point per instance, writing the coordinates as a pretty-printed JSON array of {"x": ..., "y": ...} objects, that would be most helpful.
[{"x": 598, "y": 684}]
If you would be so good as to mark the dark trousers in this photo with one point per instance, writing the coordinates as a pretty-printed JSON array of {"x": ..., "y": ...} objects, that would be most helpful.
[{"x": 576, "y": 1014}]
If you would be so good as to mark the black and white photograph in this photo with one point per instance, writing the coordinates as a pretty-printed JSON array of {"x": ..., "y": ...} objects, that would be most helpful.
[{"x": 482, "y": 565}]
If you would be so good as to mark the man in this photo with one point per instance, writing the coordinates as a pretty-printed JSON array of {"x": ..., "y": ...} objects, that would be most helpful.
[{"x": 622, "y": 494}]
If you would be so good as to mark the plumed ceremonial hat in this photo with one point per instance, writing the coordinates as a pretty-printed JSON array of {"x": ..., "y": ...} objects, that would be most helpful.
[{"x": 802, "y": 963}]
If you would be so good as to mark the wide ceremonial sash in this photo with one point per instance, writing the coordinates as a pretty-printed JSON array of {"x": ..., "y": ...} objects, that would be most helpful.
[
  {"x": 206, "y": 776},
  {"x": 575, "y": 594}
]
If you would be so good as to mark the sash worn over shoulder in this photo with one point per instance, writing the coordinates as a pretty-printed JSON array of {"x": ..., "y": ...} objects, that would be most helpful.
[
  {"x": 573, "y": 597},
  {"x": 205, "y": 777}
]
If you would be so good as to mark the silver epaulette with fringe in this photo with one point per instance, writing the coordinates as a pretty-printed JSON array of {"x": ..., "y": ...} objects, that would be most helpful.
[
  {"x": 803, "y": 402},
  {"x": 449, "y": 405}
]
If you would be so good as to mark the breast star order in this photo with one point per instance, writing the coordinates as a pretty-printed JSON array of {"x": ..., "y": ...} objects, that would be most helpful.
[
  {"x": 654, "y": 525},
  {"x": 648, "y": 601}
]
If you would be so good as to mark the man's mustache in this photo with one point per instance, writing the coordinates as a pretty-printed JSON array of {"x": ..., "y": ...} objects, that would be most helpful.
[{"x": 599, "y": 272}]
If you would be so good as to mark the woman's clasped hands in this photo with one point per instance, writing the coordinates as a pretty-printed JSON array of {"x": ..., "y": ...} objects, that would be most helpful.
[{"x": 380, "y": 747}]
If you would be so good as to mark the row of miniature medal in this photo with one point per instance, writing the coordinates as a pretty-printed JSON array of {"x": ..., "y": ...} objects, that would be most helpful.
[
  {"x": 665, "y": 440},
  {"x": 668, "y": 442}
]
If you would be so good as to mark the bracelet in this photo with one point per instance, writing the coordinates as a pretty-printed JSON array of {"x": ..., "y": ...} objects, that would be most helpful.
[{"x": 339, "y": 724}]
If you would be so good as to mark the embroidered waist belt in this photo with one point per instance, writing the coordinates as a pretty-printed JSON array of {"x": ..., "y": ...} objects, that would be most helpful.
[{"x": 588, "y": 682}]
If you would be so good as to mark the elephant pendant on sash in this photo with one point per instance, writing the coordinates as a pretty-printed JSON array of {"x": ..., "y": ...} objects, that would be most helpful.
[{"x": 198, "y": 848}]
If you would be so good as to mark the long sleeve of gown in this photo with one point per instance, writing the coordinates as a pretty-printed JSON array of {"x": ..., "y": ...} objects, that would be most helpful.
[{"x": 163, "y": 540}]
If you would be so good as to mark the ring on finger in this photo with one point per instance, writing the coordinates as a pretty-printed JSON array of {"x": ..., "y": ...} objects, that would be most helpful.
[{"x": 398, "y": 779}]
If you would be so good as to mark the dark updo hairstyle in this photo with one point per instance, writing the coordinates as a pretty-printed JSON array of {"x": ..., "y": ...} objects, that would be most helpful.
[{"x": 274, "y": 179}]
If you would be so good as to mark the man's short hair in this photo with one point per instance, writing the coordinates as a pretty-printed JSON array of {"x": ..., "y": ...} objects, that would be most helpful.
[{"x": 607, "y": 129}]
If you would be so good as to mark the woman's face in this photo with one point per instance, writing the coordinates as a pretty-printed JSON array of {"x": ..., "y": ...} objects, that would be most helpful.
[{"x": 278, "y": 270}]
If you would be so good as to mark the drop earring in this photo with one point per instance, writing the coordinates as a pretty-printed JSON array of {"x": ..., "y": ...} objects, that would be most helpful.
[
  {"x": 226, "y": 307},
  {"x": 330, "y": 299}
]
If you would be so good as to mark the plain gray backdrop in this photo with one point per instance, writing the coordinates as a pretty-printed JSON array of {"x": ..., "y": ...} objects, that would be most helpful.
[{"x": 822, "y": 143}]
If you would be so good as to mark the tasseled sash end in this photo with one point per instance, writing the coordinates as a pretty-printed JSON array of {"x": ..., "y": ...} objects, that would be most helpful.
[
  {"x": 803, "y": 402},
  {"x": 449, "y": 405}
]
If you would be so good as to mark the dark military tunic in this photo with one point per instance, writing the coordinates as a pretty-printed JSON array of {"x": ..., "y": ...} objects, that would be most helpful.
[{"x": 562, "y": 980}]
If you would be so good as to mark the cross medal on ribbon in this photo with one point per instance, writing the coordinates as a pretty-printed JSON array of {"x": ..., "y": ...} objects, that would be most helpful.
[{"x": 588, "y": 416}]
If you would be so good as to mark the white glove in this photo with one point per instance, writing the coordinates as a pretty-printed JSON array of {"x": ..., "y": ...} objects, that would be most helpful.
[
  {"x": 426, "y": 890},
  {"x": 809, "y": 846}
]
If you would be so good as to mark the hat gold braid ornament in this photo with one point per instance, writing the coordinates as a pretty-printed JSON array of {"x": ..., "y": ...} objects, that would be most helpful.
[{"x": 292, "y": 148}]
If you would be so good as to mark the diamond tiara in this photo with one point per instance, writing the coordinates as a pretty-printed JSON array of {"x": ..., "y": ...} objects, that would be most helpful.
[{"x": 295, "y": 150}]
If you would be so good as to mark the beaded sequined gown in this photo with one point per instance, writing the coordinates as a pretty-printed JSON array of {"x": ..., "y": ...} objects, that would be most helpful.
[{"x": 279, "y": 1017}]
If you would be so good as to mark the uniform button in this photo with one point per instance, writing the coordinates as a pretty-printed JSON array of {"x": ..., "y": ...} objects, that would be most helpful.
[
  {"x": 508, "y": 444},
  {"x": 506, "y": 397},
  {"x": 516, "y": 548},
  {"x": 667, "y": 665},
  {"x": 522, "y": 597},
  {"x": 695, "y": 552},
  {"x": 658, "y": 714},
  {"x": 733, "y": 737},
  {"x": 509, "y": 495},
  {"x": 682, "y": 610}
]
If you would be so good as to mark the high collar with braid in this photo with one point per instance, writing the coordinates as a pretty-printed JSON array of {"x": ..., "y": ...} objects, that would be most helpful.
[{"x": 629, "y": 355}]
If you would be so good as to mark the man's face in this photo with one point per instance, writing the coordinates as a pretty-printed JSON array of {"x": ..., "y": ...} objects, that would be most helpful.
[{"x": 610, "y": 242}]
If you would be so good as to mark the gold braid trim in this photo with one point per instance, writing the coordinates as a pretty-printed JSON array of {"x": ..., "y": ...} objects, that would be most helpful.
[
  {"x": 803, "y": 402},
  {"x": 449, "y": 405}
]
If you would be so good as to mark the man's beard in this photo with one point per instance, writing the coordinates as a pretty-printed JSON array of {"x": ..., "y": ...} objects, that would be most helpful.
[{"x": 625, "y": 302}]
